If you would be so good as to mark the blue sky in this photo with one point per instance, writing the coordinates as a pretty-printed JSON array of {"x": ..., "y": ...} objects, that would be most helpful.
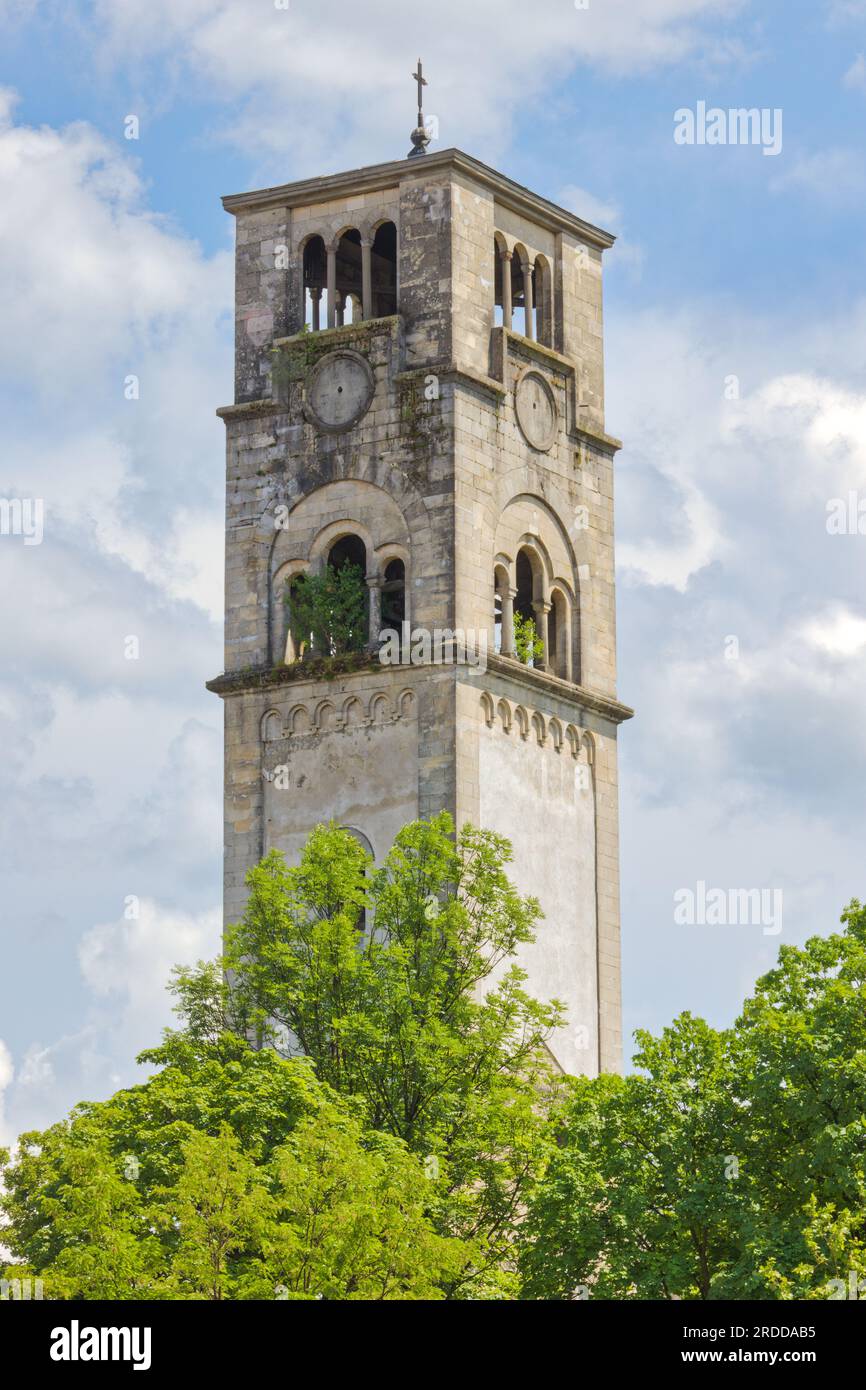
[{"x": 744, "y": 773}]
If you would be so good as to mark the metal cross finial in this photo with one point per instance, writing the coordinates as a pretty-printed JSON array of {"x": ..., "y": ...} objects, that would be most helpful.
[
  {"x": 420, "y": 138},
  {"x": 422, "y": 82}
]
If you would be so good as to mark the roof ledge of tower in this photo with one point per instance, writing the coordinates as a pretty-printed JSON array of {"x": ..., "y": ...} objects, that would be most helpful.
[{"x": 380, "y": 176}]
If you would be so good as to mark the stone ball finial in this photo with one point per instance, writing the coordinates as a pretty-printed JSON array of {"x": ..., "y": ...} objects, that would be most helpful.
[{"x": 420, "y": 140}]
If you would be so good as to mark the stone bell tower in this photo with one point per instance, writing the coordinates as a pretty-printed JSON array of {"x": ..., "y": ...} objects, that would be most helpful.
[{"x": 419, "y": 391}]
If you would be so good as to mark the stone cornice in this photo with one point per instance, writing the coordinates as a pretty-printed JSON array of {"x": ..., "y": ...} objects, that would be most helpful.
[
  {"x": 607, "y": 442},
  {"x": 376, "y": 177},
  {"x": 548, "y": 356},
  {"x": 301, "y": 672},
  {"x": 246, "y": 410},
  {"x": 254, "y": 678},
  {"x": 544, "y": 682},
  {"x": 453, "y": 371}
]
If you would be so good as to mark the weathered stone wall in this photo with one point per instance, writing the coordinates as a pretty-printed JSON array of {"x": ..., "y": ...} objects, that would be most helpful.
[
  {"x": 439, "y": 472},
  {"x": 343, "y": 750},
  {"x": 262, "y": 297}
]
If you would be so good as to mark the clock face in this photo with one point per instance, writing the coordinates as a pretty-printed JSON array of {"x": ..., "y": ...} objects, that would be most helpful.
[
  {"x": 339, "y": 390},
  {"x": 535, "y": 404}
]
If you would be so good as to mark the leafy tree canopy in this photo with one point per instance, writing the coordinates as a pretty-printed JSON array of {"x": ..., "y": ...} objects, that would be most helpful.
[
  {"x": 730, "y": 1164},
  {"x": 230, "y": 1173}
]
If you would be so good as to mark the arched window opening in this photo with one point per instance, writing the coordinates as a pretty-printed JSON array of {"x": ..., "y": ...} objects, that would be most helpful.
[
  {"x": 559, "y": 638},
  {"x": 530, "y": 301},
  {"x": 543, "y": 282},
  {"x": 523, "y": 601},
  {"x": 519, "y": 259},
  {"x": 350, "y": 619},
  {"x": 348, "y": 550},
  {"x": 384, "y": 271},
  {"x": 315, "y": 283},
  {"x": 498, "y": 316},
  {"x": 502, "y": 283},
  {"x": 503, "y": 611},
  {"x": 349, "y": 278},
  {"x": 522, "y": 292},
  {"x": 352, "y": 312},
  {"x": 361, "y": 922},
  {"x": 528, "y": 635},
  {"x": 394, "y": 595},
  {"x": 294, "y": 646}
]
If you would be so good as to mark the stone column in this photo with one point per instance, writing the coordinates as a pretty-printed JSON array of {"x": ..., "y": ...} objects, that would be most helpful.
[
  {"x": 527, "y": 299},
  {"x": 541, "y": 610},
  {"x": 564, "y": 637},
  {"x": 341, "y": 310},
  {"x": 507, "y": 596},
  {"x": 507, "y": 311},
  {"x": 332, "y": 286},
  {"x": 366, "y": 278},
  {"x": 316, "y": 298},
  {"x": 374, "y": 585}
]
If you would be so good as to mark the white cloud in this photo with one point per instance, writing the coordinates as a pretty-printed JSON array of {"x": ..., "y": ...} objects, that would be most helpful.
[
  {"x": 36, "y": 1068},
  {"x": 7, "y": 1076},
  {"x": 833, "y": 176},
  {"x": 7, "y": 1071},
  {"x": 111, "y": 774},
  {"x": 856, "y": 75},
  {"x": 95, "y": 287},
  {"x": 331, "y": 88},
  {"x": 839, "y": 633},
  {"x": 842, "y": 12},
  {"x": 126, "y": 964},
  {"x": 716, "y": 437},
  {"x": 745, "y": 764},
  {"x": 125, "y": 967},
  {"x": 607, "y": 215},
  {"x": 592, "y": 209}
]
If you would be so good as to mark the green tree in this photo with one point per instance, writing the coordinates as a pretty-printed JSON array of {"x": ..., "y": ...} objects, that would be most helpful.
[
  {"x": 798, "y": 1059},
  {"x": 636, "y": 1201},
  {"x": 192, "y": 1184},
  {"x": 730, "y": 1164},
  {"x": 219, "y": 1209},
  {"x": 353, "y": 1219},
  {"x": 96, "y": 1226},
  {"x": 452, "y": 1066},
  {"x": 330, "y": 609}
]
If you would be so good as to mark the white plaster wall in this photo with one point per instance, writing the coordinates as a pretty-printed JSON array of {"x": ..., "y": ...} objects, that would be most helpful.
[{"x": 535, "y": 796}]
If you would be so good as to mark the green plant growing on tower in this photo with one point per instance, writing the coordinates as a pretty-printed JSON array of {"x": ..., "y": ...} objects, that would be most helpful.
[
  {"x": 528, "y": 645},
  {"x": 328, "y": 611}
]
